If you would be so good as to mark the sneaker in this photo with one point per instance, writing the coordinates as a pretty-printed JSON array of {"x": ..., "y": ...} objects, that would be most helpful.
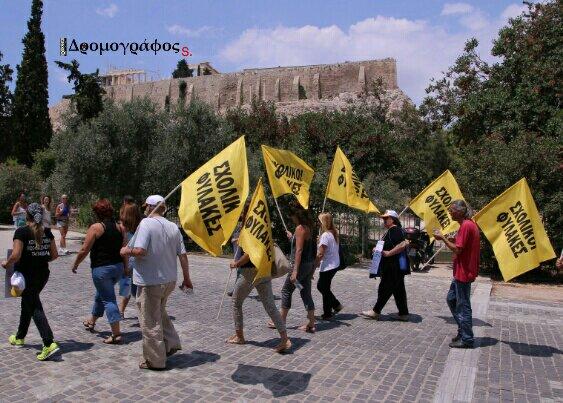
[
  {"x": 460, "y": 344},
  {"x": 48, "y": 351},
  {"x": 326, "y": 316},
  {"x": 371, "y": 314},
  {"x": 14, "y": 341}
]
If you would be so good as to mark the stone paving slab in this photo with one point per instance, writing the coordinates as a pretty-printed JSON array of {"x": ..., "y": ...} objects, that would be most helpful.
[{"x": 349, "y": 359}]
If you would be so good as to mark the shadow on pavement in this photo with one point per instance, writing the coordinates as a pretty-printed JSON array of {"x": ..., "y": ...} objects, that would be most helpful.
[
  {"x": 533, "y": 350},
  {"x": 296, "y": 343},
  {"x": 476, "y": 322},
  {"x": 127, "y": 337},
  {"x": 345, "y": 316},
  {"x": 323, "y": 325},
  {"x": 66, "y": 346},
  {"x": 193, "y": 359},
  {"x": 485, "y": 341},
  {"x": 413, "y": 318},
  {"x": 279, "y": 382}
]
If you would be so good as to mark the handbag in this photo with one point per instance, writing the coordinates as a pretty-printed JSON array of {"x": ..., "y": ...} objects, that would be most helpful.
[{"x": 281, "y": 264}]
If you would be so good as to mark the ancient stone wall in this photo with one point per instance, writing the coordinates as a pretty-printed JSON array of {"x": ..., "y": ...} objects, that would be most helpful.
[
  {"x": 281, "y": 84},
  {"x": 293, "y": 89}
]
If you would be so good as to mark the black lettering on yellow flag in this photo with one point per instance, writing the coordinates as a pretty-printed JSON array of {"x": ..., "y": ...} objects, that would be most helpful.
[
  {"x": 431, "y": 205},
  {"x": 345, "y": 187},
  {"x": 513, "y": 226},
  {"x": 213, "y": 197},
  {"x": 256, "y": 235},
  {"x": 288, "y": 174}
]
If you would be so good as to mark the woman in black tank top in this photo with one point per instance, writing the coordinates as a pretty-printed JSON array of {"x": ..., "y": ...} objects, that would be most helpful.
[
  {"x": 104, "y": 240},
  {"x": 303, "y": 252}
]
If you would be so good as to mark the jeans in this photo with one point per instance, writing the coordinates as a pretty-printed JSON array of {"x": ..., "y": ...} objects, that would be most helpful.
[
  {"x": 289, "y": 287},
  {"x": 242, "y": 289},
  {"x": 125, "y": 286},
  {"x": 330, "y": 302},
  {"x": 31, "y": 307},
  {"x": 392, "y": 283},
  {"x": 459, "y": 301},
  {"x": 105, "y": 278}
]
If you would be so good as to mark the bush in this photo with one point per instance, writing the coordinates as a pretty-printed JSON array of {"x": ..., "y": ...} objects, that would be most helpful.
[{"x": 15, "y": 179}]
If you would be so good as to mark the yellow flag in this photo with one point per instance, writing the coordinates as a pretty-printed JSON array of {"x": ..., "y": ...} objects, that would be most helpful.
[
  {"x": 345, "y": 187},
  {"x": 256, "y": 235},
  {"x": 512, "y": 224},
  {"x": 288, "y": 173},
  {"x": 431, "y": 205},
  {"x": 213, "y": 198}
]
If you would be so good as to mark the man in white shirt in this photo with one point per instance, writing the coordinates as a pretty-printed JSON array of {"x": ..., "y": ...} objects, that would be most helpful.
[{"x": 156, "y": 245}]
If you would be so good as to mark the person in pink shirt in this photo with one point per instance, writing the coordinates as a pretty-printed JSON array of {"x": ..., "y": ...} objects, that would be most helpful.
[{"x": 466, "y": 248}]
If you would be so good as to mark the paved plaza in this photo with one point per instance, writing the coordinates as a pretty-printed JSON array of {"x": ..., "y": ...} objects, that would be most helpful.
[{"x": 518, "y": 355}]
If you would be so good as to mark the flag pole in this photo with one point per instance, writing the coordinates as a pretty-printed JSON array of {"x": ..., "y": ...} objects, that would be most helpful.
[
  {"x": 225, "y": 292},
  {"x": 280, "y": 213},
  {"x": 433, "y": 256}
]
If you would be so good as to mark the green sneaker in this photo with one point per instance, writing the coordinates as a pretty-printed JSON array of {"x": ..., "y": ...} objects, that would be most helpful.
[
  {"x": 15, "y": 341},
  {"x": 48, "y": 351}
]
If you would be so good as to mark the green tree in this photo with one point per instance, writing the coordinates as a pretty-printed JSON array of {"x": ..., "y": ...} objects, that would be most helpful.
[
  {"x": 6, "y": 99},
  {"x": 14, "y": 179},
  {"x": 32, "y": 126},
  {"x": 182, "y": 70},
  {"x": 504, "y": 120},
  {"x": 107, "y": 156},
  {"x": 88, "y": 91}
]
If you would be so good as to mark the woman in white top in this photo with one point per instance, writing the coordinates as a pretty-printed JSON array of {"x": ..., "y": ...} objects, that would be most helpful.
[
  {"x": 46, "y": 204},
  {"x": 328, "y": 261}
]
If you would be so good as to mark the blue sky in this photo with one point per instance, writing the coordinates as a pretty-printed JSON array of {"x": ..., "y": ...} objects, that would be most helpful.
[{"x": 424, "y": 36}]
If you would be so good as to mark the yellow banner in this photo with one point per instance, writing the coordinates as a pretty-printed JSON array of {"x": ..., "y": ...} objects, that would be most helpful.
[
  {"x": 431, "y": 205},
  {"x": 345, "y": 187},
  {"x": 288, "y": 173},
  {"x": 213, "y": 198},
  {"x": 512, "y": 224},
  {"x": 256, "y": 235}
]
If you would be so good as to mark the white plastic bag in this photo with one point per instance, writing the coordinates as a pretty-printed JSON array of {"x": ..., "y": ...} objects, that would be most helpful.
[{"x": 18, "y": 284}]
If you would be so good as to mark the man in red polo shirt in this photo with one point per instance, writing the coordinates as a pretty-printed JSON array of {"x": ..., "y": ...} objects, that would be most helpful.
[{"x": 466, "y": 248}]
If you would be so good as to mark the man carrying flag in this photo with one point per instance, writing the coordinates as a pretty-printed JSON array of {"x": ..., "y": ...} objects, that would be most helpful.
[
  {"x": 255, "y": 264},
  {"x": 466, "y": 249}
]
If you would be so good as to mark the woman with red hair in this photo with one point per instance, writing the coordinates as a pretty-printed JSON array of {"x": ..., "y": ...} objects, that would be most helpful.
[{"x": 104, "y": 240}]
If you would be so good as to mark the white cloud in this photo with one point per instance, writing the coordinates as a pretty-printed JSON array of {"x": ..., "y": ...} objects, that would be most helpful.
[
  {"x": 456, "y": 8},
  {"x": 109, "y": 11},
  {"x": 191, "y": 33},
  {"x": 513, "y": 10},
  {"x": 422, "y": 50}
]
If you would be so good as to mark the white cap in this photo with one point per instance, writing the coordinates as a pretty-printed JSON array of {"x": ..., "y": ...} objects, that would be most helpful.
[
  {"x": 153, "y": 200},
  {"x": 390, "y": 213}
]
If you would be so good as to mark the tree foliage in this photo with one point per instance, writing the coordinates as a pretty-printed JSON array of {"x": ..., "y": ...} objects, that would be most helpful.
[
  {"x": 182, "y": 70},
  {"x": 87, "y": 97},
  {"x": 6, "y": 99},
  {"x": 31, "y": 123}
]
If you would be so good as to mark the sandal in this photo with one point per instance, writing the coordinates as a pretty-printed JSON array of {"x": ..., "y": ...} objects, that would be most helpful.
[
  {"x": 308, "y": 328},
  {"x": 146, "y": 365},
  {"x": 117, "y": 339},
  {"x": 282, "y": 348},
  {"x": 271, "y": 325},
  {"x": 234, "y": 339},
  {"x": 89, "y": 325}
]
